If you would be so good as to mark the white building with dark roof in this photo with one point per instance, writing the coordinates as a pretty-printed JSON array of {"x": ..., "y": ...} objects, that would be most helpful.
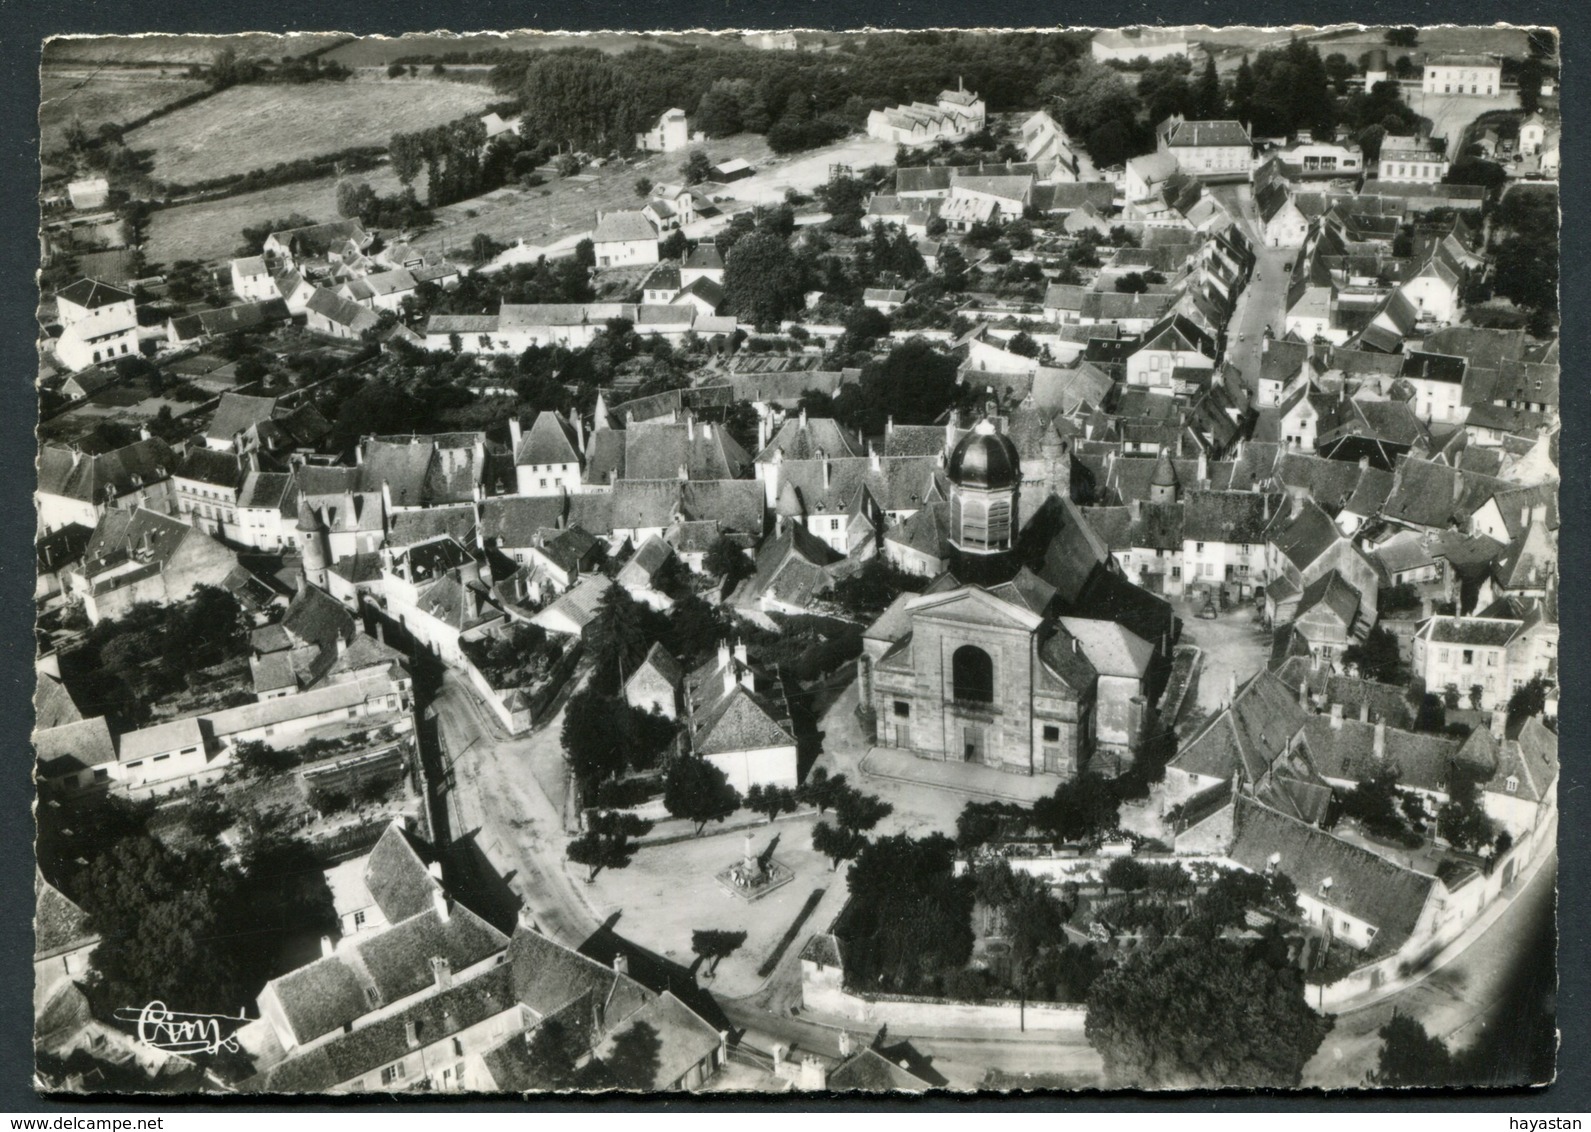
[
  {"x": 624, "y": 239},
  {"x": 99, "y": 323}
]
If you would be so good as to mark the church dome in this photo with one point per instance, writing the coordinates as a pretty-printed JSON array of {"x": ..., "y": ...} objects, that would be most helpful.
[{"x": 985, "y": 459}]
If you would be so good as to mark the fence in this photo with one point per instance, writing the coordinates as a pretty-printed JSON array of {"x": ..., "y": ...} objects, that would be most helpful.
[
  {"x": 910, "y": 1014},
  {"x": 517, "y": 709}
]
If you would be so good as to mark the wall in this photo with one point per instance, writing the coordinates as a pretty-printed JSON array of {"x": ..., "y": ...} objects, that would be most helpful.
[{"x": 905, "y": 1014}]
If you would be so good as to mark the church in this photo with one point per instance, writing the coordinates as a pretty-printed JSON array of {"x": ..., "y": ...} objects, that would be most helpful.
[{"x": 980, "y": 668}]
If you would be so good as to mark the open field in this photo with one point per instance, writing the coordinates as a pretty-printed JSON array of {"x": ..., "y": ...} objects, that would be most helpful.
[
  {"x": 1353, "y": 41},
  {"x": 378, "y": 51},
  {"x": 253, "y": 127},
  {"x": 212, "y": 230},
  {"x": 567, "y": 205},
  {"x": 184, "y": 49},
  {"x": 98, "y": 96}
]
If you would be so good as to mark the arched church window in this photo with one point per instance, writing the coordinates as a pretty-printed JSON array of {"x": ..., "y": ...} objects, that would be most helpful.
[{"x": 972, "y": 675}]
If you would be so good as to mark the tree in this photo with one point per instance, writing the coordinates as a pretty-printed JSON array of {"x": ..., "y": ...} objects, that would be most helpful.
[
  {"x": 595, "y": 731},
  {"x": 161, "y": 917},
  {"x": 763, "y": 280},
  {"x": 909, "y": 915},
  {"x": 696, "y": 790},
  {"x": 1375, "y": 804},
  {"x": 836, "y": 844},
  {"x": 1243, "y": 91},
  {"x": 697, "y": 167},
  {"x": 606, "y": 841},
  {"x": 1462, "y": 818},
  {"x": 726, "y": 561},
  {"x": 1194, "y": 1013},
  {"x": 258, "y": 757},
  {"x": 1339, "y": 69},
  {"x": 1529, "y": 699},
  {"x": 770, "y": 800},
  {"x": 553, "y": 1053},
  {"x": 643, "y": 187},
  {"x": 1083, "y": 808},
  {"x": 1410, "y": 1057},
  {"x": 711, "y": 945},
  {"x": 1405, "y": 36},
  {"x": 618, "y": 636},
  {"x": 856, "y": 812},
  {"x": 1378, "y": 656},
  {"x": 1531, "y": 74}
]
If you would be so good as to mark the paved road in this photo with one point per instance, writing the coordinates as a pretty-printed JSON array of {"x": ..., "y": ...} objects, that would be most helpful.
[
  {"x": 1263, "y": 302},
  {"x": 496, "y": 795},
  {"x": 1480, "y": 999}
]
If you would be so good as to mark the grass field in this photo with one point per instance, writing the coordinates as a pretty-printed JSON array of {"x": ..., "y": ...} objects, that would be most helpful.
[
  {"x": 98, "y": 96},
  {"x": 542, "y": 215},
  {"x": 214, "y": 229},
  {"x": 183, "y": 49},
  {"x": 378, "y": 51},
  {"x": 253, "y": 127}
]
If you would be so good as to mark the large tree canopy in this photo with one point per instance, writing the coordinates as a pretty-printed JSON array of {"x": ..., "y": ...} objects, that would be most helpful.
[{"x": 1209, "y": 1014}]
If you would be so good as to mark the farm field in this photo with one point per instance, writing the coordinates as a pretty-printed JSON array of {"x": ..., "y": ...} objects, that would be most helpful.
[
  {"x": 98, "y": 96},
  {"x": 378, "y": 51},
  {"x": 564, "y": 207},
  {"x": 1353, "y": 41},
  {"x": 181, "y": 49},
  {"x": 252, "y": 127},
  {"x": 212, "y": 230}
]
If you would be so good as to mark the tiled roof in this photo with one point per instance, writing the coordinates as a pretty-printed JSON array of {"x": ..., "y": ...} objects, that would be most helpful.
[
  {"x": 91, "y": 294},
  {"x": 1365, "y": 885},
  {"x": 623, "y": 227}
]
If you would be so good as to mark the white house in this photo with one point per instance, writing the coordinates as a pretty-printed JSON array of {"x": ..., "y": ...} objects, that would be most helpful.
[
  {"x": 1208, "y": 149},
  {"x": 91, "y": 192},
  {"x": 99, "y": 323},
  {"x": 251, "y": 280},
  {"x": 624, "y": 239},
  {"x": 672, "y": 133},
  {"x": 1463, "y": 74}
]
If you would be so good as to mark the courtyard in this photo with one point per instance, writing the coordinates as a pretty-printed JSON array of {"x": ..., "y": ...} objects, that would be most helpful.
[{"x": 1235, "y": 646}]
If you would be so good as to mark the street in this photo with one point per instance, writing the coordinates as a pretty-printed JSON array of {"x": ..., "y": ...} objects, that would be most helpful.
[
  {"x": 1484, "y": 999},
  {"x": 1263, "y": 302}
]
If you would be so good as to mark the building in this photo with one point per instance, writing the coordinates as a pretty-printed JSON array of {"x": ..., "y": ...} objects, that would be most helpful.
[
  {"x": 89, "y": 193},
  {"x": 99, "y": 323},
  {"x": 1410, "y": 160},
  {"x": 624, "y": 239},
  {"x": 1463, "y": 74},
  {"x": 671, "y": 134},
  {"x": 329, "y": 313},
  {"x": 974, "y": 672},
  {"x": 655, "y": 685},
  {"x": 141, "y": 556},
  {"x": 955, "y": 114},
  {"x": 547, "y": 459},
  {"x": 1484, "y": 659},
  {"x": 315, "y": 247},
  {"x": 1124, "y": 45},
  {"x": 77, "y": 488},
  {"x": 1208, "y": 150},
  {"x": 252, "y": 281},
  {"x": 738, "y": 719}
]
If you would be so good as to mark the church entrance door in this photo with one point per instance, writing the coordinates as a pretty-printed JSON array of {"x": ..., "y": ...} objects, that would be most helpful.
[{"x": 973, "y": 741}]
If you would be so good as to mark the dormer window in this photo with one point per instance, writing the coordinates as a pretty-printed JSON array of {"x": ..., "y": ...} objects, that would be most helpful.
[
  {"x": 1325, "y": 886},
  {"x": 1512, "y": 784}
]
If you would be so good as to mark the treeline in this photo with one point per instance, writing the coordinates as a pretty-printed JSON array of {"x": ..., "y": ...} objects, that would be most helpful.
[
  {"x": 581, "y": 97},
  {"x": 354, "y": 159},
  {"x": 460, "y": 163},
  {"x": 228, "y": 69}
]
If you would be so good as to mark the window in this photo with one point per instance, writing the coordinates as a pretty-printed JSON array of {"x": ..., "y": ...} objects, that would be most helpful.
[
  {"x": 903, "y": 710},
  {"x": 1491, "y": 658},
  {"x": 139, "y": 763},
  {"x": 972, "y": 675},
  {"x": 392, "y": 1073},
  {"x": 353, "y": 713},
  {"x": 1469, "y": 657},
  {"x": 1512, "y": 784},
  {"x": 544, "y": 481},
  {"x": 100, "y": 774},
  {"x": 159, "y": 758},
  {"x": 834, "y": 524},
  {"x": 458, "y": 1047},
  {"x": 1199, "y": 546},
  {"x": 359, "y": 919},
  {"x": 1052, "y": 733}
]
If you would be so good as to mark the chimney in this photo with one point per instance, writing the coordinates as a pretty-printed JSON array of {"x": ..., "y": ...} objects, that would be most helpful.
[
  {"x": 342, "y": 644},
  {"x": 803, "y": 418},
  {"x": 1231, "y": 687},
  {"x": 1364, "y": 711},
  {"x": 762, "y": 432},
  {"x": 707, "y": 430},
  {"x": 889, "y": 425},
  {"x": 847, "y": 1046},
  {"x": 723, "y": 653},
  {"x": 1364, "y": 463},
  {"x": 439, "y": 902},
  {"x": 1499, "y": 724},
  {"x": 1336, "y": 717},
  {"x": 683, "y": 474},
  {"x": 1458, "y": 486},
  {"x": 1204, "y": 471},
  {"x": 325, "y": 946},
  {"x": 872, "y": 456},
  {"x": 1303, "y": 693},
  {"x": 1380, "y": 747},
  {"x": 441, "y": 972},
  {"x": 952, "y": 426},
  {"x": 729, "y": 679},
  {"x": 411, "y": 1033},
  {"x": 514, "y": 433},
  {"x": 828, "y": 473},
  {"x": 740, "y": 652},
  {"x": 621, "y": 963},
  {"x": 690, "y": 427}
]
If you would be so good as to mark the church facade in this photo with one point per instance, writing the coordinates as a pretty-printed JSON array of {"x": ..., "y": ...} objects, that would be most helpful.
[{"x": 973, "y": 670}]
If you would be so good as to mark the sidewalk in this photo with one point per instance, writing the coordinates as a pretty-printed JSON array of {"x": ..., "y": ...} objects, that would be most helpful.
[{"x": 957, "y": 778}]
